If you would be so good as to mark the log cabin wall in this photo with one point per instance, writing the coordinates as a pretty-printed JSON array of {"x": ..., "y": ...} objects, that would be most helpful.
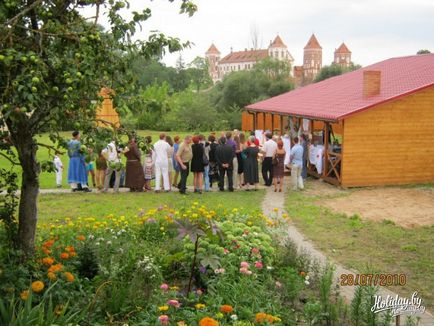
[{"x": 392, "y": 143}]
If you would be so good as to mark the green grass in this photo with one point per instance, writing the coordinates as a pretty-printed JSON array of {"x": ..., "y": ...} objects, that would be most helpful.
[
  {"x": 48, "y": 180},
  {"x": 59, "y": 206},
  {"x": 368, "y": 246}
]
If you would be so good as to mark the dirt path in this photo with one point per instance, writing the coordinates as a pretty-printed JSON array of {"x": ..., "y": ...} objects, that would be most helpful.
[{"x": 277, "y": 200}]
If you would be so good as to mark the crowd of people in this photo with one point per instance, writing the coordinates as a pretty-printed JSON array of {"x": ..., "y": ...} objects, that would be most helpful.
[{"x": 230, "y": 161}]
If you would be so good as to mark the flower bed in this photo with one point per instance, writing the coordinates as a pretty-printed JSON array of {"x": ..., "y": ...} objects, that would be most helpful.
[{"x": 167, "y": 266}]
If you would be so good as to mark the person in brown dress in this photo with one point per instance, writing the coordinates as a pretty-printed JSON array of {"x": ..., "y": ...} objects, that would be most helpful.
[
  {"x": 278, "y": 166},
  {"x": 135, "y": 178}
]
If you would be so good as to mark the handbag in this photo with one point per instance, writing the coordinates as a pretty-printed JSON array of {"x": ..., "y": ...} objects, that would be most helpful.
[{"x": 275, "y": 160}]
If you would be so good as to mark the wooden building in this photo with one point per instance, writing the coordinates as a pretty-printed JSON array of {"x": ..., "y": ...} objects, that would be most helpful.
[
  {"x": 106, "y": 115},
  {"x": 383, "y": 113}
]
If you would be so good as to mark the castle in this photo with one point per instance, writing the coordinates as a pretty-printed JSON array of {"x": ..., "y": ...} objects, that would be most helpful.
[{"x": 245, "y": 60}]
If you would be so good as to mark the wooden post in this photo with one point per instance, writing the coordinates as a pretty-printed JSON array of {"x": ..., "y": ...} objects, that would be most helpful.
[
  {"x": 255, "y": 121},
  {"x": 326, "y": 148},
  {"x": 272, "y": 123},
  {"x": 281, "y": 125},
  {"x": 398, "y": 320},
  {"x": 264, "y": 121}
]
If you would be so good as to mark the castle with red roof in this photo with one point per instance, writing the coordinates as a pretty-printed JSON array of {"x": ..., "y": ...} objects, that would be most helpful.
[{"x": 245, "y": 60}]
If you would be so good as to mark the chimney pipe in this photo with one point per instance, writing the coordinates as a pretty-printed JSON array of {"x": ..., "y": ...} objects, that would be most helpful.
[{"x": 371, "y": 83}]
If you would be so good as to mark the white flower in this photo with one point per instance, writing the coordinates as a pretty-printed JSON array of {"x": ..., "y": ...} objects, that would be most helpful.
[
  {"x": 307, "y": 278},
  {"x": 91, "y": 236},
  {"x": 234, "y": 317},
  {"x": 270, "y": 268},
  {"x": 97, "y": 243},
  {"x": 109, "y": 242},
  {"x": 306, "y": 282}
]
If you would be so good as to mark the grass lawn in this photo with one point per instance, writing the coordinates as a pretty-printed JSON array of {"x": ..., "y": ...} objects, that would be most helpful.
[
  {"x": 368, "y": 246},
  {"x": 53, "y": 207},
  {"x": 48, "y": 180}
]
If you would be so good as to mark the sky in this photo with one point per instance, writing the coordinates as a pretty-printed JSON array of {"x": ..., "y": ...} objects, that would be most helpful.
[{"x": 373, "y": 30}]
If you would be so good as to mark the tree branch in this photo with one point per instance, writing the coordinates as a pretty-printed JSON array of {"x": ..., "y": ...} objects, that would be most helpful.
[
  {"x": 9, "y": 159},
  {"x": 22, "y": 13}
]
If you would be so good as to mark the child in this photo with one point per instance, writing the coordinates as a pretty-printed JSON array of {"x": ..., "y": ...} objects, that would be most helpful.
[
  {"x": 101, "y": 166},
  {"x": 59, "y": 169}
]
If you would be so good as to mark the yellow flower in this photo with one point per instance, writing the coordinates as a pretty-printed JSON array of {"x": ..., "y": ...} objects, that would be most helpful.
[
  {"x": 59, "y": 309},
  {"x": 249, "y": 223},
  {"x": 219, "y": 315},
  {"x": 37, "y": 286},
  {"x": 181, "y": 323},
  {"x": 24, "y": 295},
  {"x": 163, "y": 308},
  {"x": 199, "y": 306},
  {"x": 69, "y": 277},
  {"x": 174, "y": 288},
  {"x": 51, "y": 276},
  {"x": 275, "y": 209}
]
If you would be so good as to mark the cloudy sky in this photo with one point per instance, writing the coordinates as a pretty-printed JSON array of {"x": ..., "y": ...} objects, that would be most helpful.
[{"x": 372, "y": 29}]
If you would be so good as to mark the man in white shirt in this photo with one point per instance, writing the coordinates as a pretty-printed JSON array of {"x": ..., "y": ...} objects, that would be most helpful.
[
  {"x": 113, "y": 165},
  {"x": 59, "y": 169},
  {"x": 160, "y": 156},
  {"x": 269, "y": 148}
]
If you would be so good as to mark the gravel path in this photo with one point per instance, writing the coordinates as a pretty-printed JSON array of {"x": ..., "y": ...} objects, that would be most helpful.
[{"x": 277, "y": 200}]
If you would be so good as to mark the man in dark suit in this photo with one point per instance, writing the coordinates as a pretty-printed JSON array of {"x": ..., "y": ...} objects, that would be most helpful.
[{"x": 224, "y": 157}]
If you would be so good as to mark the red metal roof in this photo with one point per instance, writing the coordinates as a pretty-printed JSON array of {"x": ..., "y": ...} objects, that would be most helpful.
[
  {"x": 338, "y": 97},
  {"x": 245, "y": 56}
]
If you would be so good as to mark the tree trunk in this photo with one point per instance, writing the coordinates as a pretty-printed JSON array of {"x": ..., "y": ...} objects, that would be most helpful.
[{"x": 27, "y": 212}]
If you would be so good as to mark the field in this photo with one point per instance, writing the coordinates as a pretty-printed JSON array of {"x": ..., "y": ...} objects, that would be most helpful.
[{"x": 384, "y": 244}]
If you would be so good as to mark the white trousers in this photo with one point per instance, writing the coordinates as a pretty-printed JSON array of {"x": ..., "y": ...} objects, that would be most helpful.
[
  {"x": 162, "y": 169},
  {"x": 59, "y": 178},
  {"x": 296, "y": 178}
]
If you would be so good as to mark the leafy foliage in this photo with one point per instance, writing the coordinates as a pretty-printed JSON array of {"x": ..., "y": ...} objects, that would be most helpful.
[{"x": 334, "y": 70}]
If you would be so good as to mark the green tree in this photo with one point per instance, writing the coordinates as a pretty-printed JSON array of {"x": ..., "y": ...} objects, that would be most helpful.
[
  {"x": 198, "y": 74},
  {"x": 423, "y": 51},
  {"x": 334, "y": 70},
  {"x": 52, "y": 63}
]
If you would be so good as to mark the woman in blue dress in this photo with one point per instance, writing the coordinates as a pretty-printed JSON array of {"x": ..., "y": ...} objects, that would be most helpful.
[{"x": 77, "y": 173}]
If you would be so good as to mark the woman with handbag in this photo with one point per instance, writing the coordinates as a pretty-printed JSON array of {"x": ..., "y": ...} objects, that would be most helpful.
[{"x": 278, "y": 166}]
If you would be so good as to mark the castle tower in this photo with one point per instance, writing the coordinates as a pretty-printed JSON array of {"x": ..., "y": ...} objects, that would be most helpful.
[
  {"x": 213, "y": 57},
  {"x": 278, "y": 50},
  {"x": 343, "y": 56},
  {"x": 312, "y": 59}
]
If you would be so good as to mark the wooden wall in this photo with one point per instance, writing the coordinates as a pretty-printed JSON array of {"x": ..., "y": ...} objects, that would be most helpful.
[
  {"x": 264, "y": 121},
  {"x": 392, "y": 143}
]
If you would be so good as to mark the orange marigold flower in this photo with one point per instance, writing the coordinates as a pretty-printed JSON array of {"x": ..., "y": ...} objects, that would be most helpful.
[
  {"x": 208, "y": 321},
  {"x": 227, "y": 309},
  {"x": 46, "y": 251},
  {"x": 69, "y": 249},
  {"x": 64, "y": 255},
  {"x": 48, "y": 261},
  {"x": 48, "y": 243},
  {"x": 55, "y": 268},
  {"x": 302, "y": 274},
  {"x": 261, "y": 317},
  {"x": 37, "y": 286},
  {"x": 51, "y": 276},
  {"x": 72, "y": 254},
  {"x": 69, "y": 276},
  {"x": 24, "y": 295},
  {"x": 81, "y": 237}
]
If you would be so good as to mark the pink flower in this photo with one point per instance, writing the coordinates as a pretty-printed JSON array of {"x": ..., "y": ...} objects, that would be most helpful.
[
  {"x": 164, "y": 320},
  {"x": 164, "y": 287},
  {"x": 225, "y": 251},
  {"x": 245, "y": 270},
  {"x": 244, "y": 264},
  {"x": 259, "y": 265},
  {"x": 255, "y": 251},
  {"x": 174, "y": 303}
]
